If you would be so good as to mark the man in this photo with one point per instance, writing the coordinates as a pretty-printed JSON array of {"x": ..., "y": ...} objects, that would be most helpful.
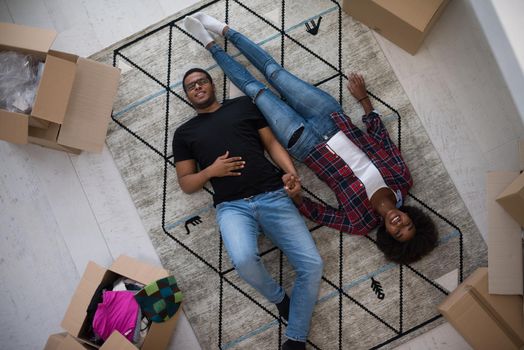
[{"x": 227, "y": 142}]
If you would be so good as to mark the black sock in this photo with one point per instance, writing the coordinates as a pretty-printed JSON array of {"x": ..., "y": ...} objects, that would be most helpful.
[
  {"x": 283, "y": 308},
  {"x": 293, "y": 345}
]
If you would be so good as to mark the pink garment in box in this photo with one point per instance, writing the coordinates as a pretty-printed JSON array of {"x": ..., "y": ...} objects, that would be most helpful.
[{"x": 118, "y": 311}]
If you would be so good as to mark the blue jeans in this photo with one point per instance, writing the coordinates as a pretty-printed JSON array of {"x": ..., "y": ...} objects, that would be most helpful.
[
  {"x": 275, "y": 214},
  {"x": 306, "y": 107}
]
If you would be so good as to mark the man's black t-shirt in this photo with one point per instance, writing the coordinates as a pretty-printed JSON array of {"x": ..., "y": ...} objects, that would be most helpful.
[{"x": 234, "y": 128}]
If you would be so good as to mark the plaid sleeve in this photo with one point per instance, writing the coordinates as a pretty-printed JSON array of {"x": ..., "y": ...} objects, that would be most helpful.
[
  {"x": 377, "y": 130},
  {"x": 328, "y": 216}
]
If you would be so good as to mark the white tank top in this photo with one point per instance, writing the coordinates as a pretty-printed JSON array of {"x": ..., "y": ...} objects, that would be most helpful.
[{"x": 359, "y": 162}]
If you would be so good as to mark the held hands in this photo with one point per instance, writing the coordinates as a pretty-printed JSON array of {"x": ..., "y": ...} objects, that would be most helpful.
[
  {"x": 225, "y": 166},
  {"x": 293, "y": 187}
]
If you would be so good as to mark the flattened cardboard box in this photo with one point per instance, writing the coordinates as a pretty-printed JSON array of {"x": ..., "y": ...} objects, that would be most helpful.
[
  {"x": 74, "y": 321},
  {"x": 485, "y": 321},
  {"x": 404, "y": 22},
  {"x": 74, "y": 93},
  {"x": 504, "y": 239}
]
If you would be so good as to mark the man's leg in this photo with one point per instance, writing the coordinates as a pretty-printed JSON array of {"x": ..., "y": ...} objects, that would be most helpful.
[
  {"x": 239, "y": 229},
  {"x": 283, "y": 224}
]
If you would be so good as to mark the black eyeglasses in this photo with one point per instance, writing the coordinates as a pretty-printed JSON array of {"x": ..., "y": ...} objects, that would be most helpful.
[{"x": 200, "y": 82}]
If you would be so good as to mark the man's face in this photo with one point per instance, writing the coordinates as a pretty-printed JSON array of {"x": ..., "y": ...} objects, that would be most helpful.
[
  {"x": 200, "y": 91},
  {"x": 399, "y": 225}
]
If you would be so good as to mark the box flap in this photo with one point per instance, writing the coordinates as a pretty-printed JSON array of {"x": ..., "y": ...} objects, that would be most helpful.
[
  {"x": 54, "y": 341},
  {"x": 462, "y": 289},
  {"x": 76, "y": 311},
  {"x": 504, "y": 239},
  {"x": 49, "y": 135},
  {"x": 38, "y": 123},
  {"x": 54, "y": 89},
  {"x": 512, "y": 199},
  {"x": 27, "y": 39},
  {"x": 159, "y": 335},
  {"x": 70, "y": 343},
  {"x": 117, "y": 341},
  {"x": 90, "y": 106},
  {"x": 468, "y": 309},
  {"x": 47, "y": 138},
  {"x": 414, "y": 12},
  {"x": 507, "y": 309},
  {"x": 64, "y": 55},
  {"x": 13, "y": 127},
  {"x": 137, "y": 270},
  {"x": 468, "y": 317}
]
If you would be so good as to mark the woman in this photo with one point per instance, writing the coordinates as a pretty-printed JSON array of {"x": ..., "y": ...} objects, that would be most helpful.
[{"x": 365, "y": 170}]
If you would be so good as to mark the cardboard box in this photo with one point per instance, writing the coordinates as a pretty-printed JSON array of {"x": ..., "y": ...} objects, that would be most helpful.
[
  {"x": 485, "y": 321},
  {"x": 404, "y": 22},
  {"x": 75, "y": 95},
  {"x": 512, "y": 199},
  {"x": 504, "y": 240},
  {"x": 74, "y": 321}
]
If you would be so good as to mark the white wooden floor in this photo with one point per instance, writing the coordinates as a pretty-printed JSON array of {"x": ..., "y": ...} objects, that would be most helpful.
[{"x": 58, "y": 211}]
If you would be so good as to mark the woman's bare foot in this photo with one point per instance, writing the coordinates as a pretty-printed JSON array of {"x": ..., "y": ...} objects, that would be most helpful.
[{"x": 357, "y": 86}]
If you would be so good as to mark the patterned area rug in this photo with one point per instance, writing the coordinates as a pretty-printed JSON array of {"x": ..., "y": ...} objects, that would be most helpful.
[{"x": 364, "y": 301}]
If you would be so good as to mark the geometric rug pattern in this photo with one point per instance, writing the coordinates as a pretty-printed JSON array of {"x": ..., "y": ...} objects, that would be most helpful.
[{"x": 364, "y": 301}]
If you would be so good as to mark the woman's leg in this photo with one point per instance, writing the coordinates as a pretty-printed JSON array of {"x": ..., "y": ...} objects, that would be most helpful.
[
  {"x": 290, "y": 128},
  {"x": 312, "y": 103},
  {"x": 282, "y": 119},
  {"x": 308, "y": 100}
]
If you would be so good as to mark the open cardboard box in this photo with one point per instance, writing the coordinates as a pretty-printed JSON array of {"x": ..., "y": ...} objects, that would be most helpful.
[
  {"x": 486, "y": 321},
  {"x": 404, "y": 22},
  {"x": 74, "y": 97},
  {"x": 74, "y": 321}
]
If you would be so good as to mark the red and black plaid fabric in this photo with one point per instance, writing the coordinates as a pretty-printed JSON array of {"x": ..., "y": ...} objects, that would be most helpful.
[{"x": 355, "y": 214}]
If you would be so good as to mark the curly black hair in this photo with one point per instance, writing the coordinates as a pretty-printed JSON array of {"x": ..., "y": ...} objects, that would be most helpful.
[{"x": 424, "y": 241}]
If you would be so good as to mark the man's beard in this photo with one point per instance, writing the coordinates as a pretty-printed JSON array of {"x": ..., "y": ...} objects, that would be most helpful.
[{"x": 204, "y": 104}]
